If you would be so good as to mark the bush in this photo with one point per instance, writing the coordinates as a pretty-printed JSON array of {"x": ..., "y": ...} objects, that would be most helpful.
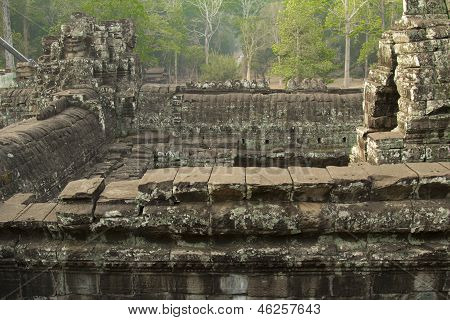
[{"x": 220, "y": 68}]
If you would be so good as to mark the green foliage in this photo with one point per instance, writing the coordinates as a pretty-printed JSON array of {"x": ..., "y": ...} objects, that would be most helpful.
[
  {"x": 302, "y": 48},
  {"x": 220, "y": 68}
]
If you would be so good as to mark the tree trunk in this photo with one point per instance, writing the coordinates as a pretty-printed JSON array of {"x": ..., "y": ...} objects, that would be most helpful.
[
  {"x": 206, "y": 46},
  {"x": 26, "y": 31},
  {"x": 281, "y": 78},
  {"x": 366, "y": 62},
  {"x": 383, "y": 18},
  {"x": 347, "y": 48},
  {"x": 7, "y": 34},
  {"x": 249, "y": 68},
  {"x": 176, "y": 68}
]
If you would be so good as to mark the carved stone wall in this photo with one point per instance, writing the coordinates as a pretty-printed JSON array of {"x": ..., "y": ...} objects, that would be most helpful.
[
  {"x": 41, "y": 156},
  {"x": 252, "y": 128}
]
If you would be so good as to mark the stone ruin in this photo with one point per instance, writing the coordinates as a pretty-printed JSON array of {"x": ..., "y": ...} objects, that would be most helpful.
[
  {"x": 115, "y": 190},
  {"x": 406, "y": 99}
]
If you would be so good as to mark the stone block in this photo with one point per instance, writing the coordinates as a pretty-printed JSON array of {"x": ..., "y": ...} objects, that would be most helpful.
[
  {"x": 390, "y": 282},
  {"x": 120, "y": 192},
  {"x": 391, "y": 182},
  {"x": 274, "y": 286},
  {"x": 84, "y": 189},
  {"x": 351, "y": 184},
  {"x": 187, "y": 218},
  {"x": 309, "y": 285},
  {"x": 432, "y": 217},
  {"x": 151, "y": 283},
  {"x": 191, "y": 184},
  {"x": 311, "y": 184},
  {"x": 22, "y": 198},
  {"x": 434, "y": 180},
  {"x": 255, "y": 219},
  {"x": 117, "y": 283},
  {"x": 232, "y": 284},
  {"x": 156, "y": 186},
  {"x": 9, "y": 212},
  {"x": 72, "y": 214},
  {"x": 227, "y": 184},
  {"x": 386, "y": 140},
  {"x": 81, "y": 283},
  {"x": 115, "y": 210},
  {"x": 267, "y": 184},
  {"x": 36, "y": 212},
  {"x": 315, "y": 218}
]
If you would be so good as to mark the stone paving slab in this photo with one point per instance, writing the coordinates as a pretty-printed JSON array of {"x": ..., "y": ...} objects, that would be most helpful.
[
  {"x": 434, "y": 180},
  {"x": 268, "y": 184},
  {"x": 22, "y": 198},
  {"x": 352, "y": 184},
  {"x": 191, "y": 184},
  {"x": 311, "y": 184},
  {"x": 84, "y": 189},
  {"x": 69, "y": 214},
  {"x": 227, "y": 184},
  {"x": 9, "y": 212},
  {"x": 120, "y": 192},
  {"x": 157, "y": 185},
  {"x": 36, "y": 212},
  {"x": 391, "y": 182}
]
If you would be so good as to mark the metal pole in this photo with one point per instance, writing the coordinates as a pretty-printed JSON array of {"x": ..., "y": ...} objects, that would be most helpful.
[{"x": 13, "y": 51}]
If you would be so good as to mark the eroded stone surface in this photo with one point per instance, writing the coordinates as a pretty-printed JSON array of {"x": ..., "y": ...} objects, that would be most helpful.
[
  {"x": 120, "y": 192},
  {"x": 157, "y": 185},
  {"x": 351, "y": 184},
  {"x": 311, "y": 184},
  {"x": 22, "y": 198},
  {"x": 434, "y": 180},
  {"x": 268, "y": 184},
  {"x": 191, "y": 184},
  {"x": 8, "y": 212},
  {"x": 84, "y": 189},
  {"x": 227, "y": 184},
  {"x": 391, "y": 182}
]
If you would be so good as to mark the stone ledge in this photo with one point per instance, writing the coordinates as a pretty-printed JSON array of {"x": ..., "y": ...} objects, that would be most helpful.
[{"x": 237, "y": 218}]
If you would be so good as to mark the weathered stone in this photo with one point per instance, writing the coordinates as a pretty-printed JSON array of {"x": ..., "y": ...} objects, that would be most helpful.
[
  {"x": 311, "y": 184},
  {"x": 114, "y": 210},
  {"x": 254, "y": 219},
  {"x": 120, "y": 192},
  {"x": 189, "y": 218},
  {"x": 227, "y": 184},
  {"x": 85, "y": 189},
  {"x": 8, "y": 212},
  {"x": 268, "y": 184},
  {"x": 351, "y": 184},
  {"x": 36, "y": 212},
  {"x": 434, "y": 180},
  {"x": 434, "y": 217},
  {"x": 391, "y": 182},
  {"x": 22, "y": 198},
  {"x": 191, "y": 184},
  {"x": 157, "y": 185},
  {"x": 72, "y": 214}
]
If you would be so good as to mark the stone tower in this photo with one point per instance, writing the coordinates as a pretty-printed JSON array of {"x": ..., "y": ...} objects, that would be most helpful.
[{"x": 407, "y": 95}]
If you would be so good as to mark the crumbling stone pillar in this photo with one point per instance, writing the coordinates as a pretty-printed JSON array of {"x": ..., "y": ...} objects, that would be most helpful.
[{"x": 407, "y": 95}]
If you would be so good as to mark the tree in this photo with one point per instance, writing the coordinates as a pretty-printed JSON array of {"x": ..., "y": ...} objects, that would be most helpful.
[
  {"x": 221, "y": 68},
  {"x": 7, "y": 34},
  {"x": 210, "y": 18},
  {"x": 254, "y": 31},
  {"x": 302, "y": 48},
  {"x": 344, "y": 17}
]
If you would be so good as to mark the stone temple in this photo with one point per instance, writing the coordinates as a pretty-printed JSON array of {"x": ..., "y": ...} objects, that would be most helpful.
[{"x": 113, "y": 188}]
